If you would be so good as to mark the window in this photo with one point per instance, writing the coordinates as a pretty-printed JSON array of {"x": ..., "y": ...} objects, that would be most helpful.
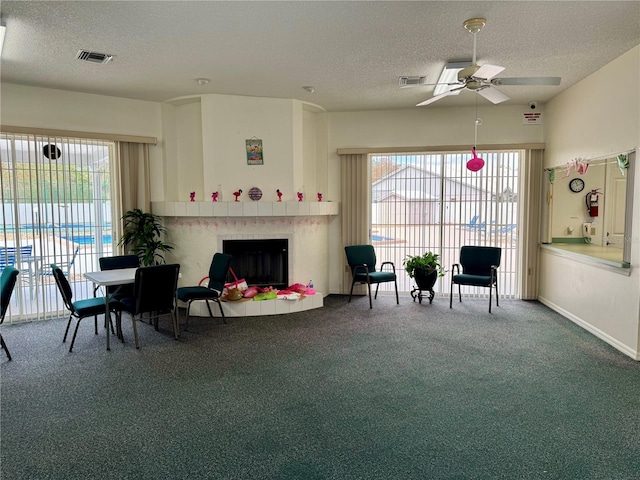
[{"x": 56, "y": 209}]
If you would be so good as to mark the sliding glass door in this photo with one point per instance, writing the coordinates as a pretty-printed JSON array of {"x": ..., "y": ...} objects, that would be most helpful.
[
  {"x": 432, "y": 202},
  {"x": 56, "y": 196}
]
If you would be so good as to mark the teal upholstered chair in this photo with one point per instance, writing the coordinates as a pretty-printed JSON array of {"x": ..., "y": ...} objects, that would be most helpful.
[
  {"x": 218, "y": 271},
  {"x": 154, "y": 292},
  {"x": 90, "y": 307},
  {"x": 7, "y": 282},
  {"x": 362, "y": 262},
  {"x": 479, "y": 269}
]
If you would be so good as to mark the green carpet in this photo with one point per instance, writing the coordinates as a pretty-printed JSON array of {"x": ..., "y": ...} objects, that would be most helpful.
[{"x": 414, "y": 391}]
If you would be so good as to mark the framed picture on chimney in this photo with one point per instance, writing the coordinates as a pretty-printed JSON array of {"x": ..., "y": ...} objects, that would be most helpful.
[{"x": 254, "y": 151}]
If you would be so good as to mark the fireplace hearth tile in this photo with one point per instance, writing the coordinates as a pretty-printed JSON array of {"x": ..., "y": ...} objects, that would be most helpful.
[
  {"x": 268, "y": 307},
  {"x": 279, "y": 209},
  {"x": 250, "y": 209},
  {"x": 265, "y": 209},
  {"x": 193, "y": 209},
  {"x": 251, "y": 308},
  {"x": 221, "y": 209},
  {"x": 206, "y": 209},
  {"x": 180, "y": 209},
  {"x": 283, "y": 306},
  {"x": 235, "y": 209}
]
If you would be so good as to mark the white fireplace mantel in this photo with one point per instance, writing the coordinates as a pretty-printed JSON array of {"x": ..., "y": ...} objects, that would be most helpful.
[{"x": 244, "y": 209}]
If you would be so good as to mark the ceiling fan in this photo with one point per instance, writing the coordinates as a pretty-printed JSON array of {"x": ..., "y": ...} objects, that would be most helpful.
[{"x": 480, "y": 78}]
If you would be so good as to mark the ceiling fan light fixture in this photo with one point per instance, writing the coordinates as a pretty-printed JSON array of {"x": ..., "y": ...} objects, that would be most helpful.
[{"x": 449, "y": 76}]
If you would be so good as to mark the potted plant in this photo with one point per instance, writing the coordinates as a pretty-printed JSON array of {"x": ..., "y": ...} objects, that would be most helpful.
[
  {"x": 142, "y": 236},
  {"x": 425, "y": 270}
]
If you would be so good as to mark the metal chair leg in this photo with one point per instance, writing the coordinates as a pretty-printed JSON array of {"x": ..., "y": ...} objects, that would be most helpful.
[
  {"x": 135, "y": 331},
  {"x": 4, "y": 347},
  {"x": 64, "y": 339},
  {"x": 351, "y": 291}
]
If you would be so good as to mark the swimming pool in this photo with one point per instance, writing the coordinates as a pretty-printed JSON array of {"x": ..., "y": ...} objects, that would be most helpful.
[
  {"x": 378, "y": 238},
  {"x": 90, "y": 239}
]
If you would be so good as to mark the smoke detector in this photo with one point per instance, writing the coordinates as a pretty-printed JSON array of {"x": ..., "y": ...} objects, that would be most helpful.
[{"x": 94, "y": 57}]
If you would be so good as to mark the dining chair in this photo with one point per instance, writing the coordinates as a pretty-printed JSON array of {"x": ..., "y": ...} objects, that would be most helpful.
[
  {"x": 218, "y": 271},
  {"x": 90, "y": 307},
  {"x": 362, "y": 262},
  {"x": 115, "y": 263},
  {"x": 7, "y": 283},
  {"x": 479, "y": 269},
  {"x": 154, "y": 293},
  {"x": 7, "y": 257}
]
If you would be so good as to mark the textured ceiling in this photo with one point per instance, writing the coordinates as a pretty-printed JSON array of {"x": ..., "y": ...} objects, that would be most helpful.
[{"x": 351, "y": 52}]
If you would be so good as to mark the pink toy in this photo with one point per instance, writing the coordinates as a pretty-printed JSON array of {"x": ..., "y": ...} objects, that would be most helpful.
[
  {"x": 300, "y": 196},
  {"x": 214, "y": 197},
  {"x": 192, "y": 196},
  {"x": 319, "y": 197},
  {"x": 237, "y": 194},
  {"x": 279, "y": 193},
  {"x": 476, "y": 163}
]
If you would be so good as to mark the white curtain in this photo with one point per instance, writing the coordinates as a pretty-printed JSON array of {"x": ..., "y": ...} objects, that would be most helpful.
[
  {"x": 130, "y": 182},
  {"x": 356, "y": 205},
  {"x": 530, "y": 223}
]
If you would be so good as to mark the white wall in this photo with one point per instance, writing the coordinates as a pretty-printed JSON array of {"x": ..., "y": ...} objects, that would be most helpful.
[
  {"x": 597, "y": 117},
  {"x": 60, "y": 110}
]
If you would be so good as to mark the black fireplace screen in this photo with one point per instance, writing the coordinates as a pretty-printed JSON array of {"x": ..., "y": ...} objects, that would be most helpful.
[{"x": 262, "y": 263}]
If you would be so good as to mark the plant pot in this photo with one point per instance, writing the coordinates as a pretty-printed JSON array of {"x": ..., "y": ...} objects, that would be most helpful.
[{"x": 424, "y": 282}]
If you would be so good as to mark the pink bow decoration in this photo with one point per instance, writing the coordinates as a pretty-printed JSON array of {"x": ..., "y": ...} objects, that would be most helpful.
[{"x": 476, "y": 163}]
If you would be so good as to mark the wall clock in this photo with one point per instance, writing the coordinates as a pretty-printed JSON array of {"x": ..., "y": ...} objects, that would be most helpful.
[{"x": 576, "y": 185}]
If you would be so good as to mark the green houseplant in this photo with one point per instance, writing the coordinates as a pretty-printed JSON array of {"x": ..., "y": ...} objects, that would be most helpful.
[
  {"x": 425, "y": 270},
  {"x": 143, "y": 236}
]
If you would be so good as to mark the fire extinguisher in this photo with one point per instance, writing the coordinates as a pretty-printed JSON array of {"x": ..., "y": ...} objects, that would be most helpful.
[{"x": 591, "y": 200}]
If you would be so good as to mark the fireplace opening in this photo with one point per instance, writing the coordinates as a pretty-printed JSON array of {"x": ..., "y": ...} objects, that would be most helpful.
[{"x": 263, "y": 262}]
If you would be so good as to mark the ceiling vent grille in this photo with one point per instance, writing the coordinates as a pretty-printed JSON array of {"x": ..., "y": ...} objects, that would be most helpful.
[
  {"x": 93, "y": 57},
  {"x": 412, "y": 81}
]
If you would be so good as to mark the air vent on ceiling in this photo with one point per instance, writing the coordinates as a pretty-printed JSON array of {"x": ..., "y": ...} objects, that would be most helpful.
[
  {"x": 94, "y": 57},
  {"x": 412, "y": 81}
]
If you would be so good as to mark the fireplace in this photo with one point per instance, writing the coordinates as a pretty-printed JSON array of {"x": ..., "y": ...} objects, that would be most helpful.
[{"x": 261, "y": 262}]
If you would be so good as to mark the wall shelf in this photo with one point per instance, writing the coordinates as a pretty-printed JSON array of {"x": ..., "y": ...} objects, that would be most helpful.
[{"x": 244, "y": 209}]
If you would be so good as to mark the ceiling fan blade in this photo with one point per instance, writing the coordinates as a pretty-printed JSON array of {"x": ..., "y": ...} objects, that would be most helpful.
[
  {"x": 487, "y": 71},
  {"x": 492, "y": 94},
  {"x": 455, "y": 91},
  {"x": 526, "y": 81}
]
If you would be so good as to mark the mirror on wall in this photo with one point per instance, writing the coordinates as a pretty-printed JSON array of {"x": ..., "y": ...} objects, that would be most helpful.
[{"x": 589, "y": 207}]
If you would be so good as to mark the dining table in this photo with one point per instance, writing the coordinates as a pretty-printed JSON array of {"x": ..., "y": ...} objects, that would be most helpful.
[{"x": 111, "y": 278}]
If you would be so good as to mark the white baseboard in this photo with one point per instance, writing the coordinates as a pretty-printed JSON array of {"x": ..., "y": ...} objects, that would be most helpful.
[{"x": 626, "y": 349}]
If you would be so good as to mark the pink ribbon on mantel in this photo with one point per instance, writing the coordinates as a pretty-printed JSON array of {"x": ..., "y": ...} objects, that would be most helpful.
[{"x": 476, "y": 163}]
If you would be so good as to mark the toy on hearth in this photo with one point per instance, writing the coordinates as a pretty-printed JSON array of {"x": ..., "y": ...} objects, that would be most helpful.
[
  {"x": 214, "y": 197},
  {"x": 300, "y": 196},
  {"x": 192, "y": 196},
  {"x": 319, "y": 197},
  {"x": 279, "y": 193},
  {"x": 237, "y": 194}
]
